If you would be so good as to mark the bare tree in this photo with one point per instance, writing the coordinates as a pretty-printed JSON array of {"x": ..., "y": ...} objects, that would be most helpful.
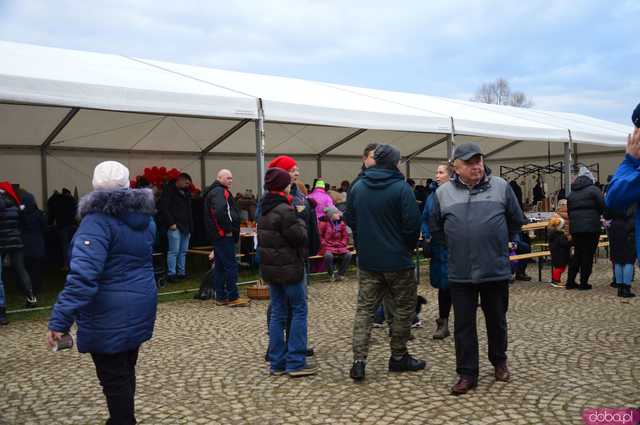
[{"x": 499, "y": 93}]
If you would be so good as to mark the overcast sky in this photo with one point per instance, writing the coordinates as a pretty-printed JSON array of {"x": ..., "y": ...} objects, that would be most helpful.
[{"x": 575, "y": 56}]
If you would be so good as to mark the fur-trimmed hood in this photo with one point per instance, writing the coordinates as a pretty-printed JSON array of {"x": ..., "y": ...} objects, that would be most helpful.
[{"x": 132, "y": 206}]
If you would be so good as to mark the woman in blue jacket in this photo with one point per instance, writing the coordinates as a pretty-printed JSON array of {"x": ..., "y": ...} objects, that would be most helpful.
[
  {"x": 110, "y": 289},
  {"x": 438, "y": 266}
]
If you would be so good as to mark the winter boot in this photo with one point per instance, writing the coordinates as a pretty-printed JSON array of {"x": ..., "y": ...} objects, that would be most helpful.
[
  {"x": 627, "y": 292},
  {"x": 3, "y": 317},
  {"x": 442, "y": 331},
  {"x": 31, "y": 301},
  {"x": 621, "y": 290}
]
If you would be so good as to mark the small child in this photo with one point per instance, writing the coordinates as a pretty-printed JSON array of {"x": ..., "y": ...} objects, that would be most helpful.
[{"x": 560, "y": 248}]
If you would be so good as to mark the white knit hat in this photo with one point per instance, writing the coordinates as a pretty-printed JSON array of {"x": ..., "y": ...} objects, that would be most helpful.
[{"x": 110, "y": 175}]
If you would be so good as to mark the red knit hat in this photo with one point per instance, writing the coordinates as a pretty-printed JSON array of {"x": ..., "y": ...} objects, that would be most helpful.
[{"x": 284, "y": 162}]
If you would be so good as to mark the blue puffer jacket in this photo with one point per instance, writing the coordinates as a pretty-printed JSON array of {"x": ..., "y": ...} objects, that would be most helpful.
[
  {"x": 110, "y": 289},
  {"x": 624, "y": 190},
  {"x": 439, "y": 264}
]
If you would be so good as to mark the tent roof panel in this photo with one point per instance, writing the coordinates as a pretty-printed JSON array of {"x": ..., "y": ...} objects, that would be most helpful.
[
  {"x": 28, "y": 125},
  {"x": 51, "y": 76}
]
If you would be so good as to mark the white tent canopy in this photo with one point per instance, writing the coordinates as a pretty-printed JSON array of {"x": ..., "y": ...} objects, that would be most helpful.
[{"x": 65, "y": 104}]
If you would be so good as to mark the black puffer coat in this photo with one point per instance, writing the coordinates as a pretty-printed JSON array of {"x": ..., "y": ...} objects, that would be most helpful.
[
  {"x": 10, "y": 235},
  {"x": 560, "y": 248},
  {"x": 585, "y": 206},
  {"x": 622, "y": 241},
  {"x": 282, "y": 238}
]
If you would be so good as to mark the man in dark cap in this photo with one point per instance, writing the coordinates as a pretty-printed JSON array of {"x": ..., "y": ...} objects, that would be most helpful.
[
  {"x": 384, "y": 217},
  {"x": 624, "y": 189},
  {"x": 477, "y": 214}
]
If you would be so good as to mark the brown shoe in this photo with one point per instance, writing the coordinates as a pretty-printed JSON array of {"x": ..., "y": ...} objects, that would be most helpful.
[
  {"x": 239, "y": 302},
  {"x": 502, "y": 373},
  {"x": 464, "y": 385},
  {"x": 222, "y": 302}
]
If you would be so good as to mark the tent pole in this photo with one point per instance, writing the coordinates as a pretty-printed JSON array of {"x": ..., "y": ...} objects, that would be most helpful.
[
  {"x": 259, "y": 123},
  {"x": 451, "y": 141},
  {"x": 319, "y": 166},
  {"x": 407, "y": 166},
  {"x": 43, "y": 152},
  {"x": 567, "y": 165},
  {"x": 203, "y": 172}
]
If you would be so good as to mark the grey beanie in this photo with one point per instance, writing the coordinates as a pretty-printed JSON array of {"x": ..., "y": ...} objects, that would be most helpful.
[
  {"x": 584, "y": 171},
  {"x": 386, "y": 156},
  {"x": 330, "y": 211}
]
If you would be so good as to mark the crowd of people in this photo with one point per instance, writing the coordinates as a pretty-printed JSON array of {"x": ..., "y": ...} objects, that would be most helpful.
[{"x": 470, "y": 222}]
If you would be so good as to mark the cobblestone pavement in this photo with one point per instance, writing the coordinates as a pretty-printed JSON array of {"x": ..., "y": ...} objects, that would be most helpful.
[{"x": 568, "y": 350}]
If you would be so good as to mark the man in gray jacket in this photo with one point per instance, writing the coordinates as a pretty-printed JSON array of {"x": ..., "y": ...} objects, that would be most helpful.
[{"x": 477, "y": 214}]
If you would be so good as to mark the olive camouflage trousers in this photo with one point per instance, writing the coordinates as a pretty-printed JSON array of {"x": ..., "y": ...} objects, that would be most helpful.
[{"x": 401, "y": 289}]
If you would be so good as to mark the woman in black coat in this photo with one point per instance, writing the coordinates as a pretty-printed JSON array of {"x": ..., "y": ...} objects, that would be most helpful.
[
  {"x": 622, "y": 246},
  {"x": 33, "y": 228},
  {"x": 585, "y": 206}
]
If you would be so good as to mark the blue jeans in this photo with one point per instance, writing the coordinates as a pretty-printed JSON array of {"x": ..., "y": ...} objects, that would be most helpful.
[
  {"x": 2, "y": 297},
  {"x": 177, "y": 252},
  {"x": 225, "y": 274},
  {"x": 624, "y": 273},
  {"x": 288, "y": 355}
]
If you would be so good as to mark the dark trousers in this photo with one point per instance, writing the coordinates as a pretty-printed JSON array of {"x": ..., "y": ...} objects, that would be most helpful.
[
  {"x": 494, "y": 298},
  {"x": 444, "y": 302},
  {"x": 585, "y": 245},
  {"x": 225, "y": 269},
  {"x": 117, "y": 375},
  {"x": 34, "y": 268},
  {"x": 16, "y": 257},
  {"x": 65, "y": 234}
]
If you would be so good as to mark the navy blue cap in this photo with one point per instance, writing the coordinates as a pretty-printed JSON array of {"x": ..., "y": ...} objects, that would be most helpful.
[{"x": 635, "y": 117}]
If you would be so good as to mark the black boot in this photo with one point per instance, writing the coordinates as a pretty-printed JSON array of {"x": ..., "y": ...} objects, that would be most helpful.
[
  {"x": 621, "y": 290},
  {"x": 627, "y": 292},
  {"x": 3, "y": 317},
  {"x": 357, "y": 370}
]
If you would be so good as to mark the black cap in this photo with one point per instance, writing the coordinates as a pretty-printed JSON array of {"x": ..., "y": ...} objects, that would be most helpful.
[
  {"x": 466, "y": 151},
  {"x": 635, "y": 117}
]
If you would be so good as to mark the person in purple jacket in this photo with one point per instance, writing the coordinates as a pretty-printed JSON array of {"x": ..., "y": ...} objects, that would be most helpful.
[
  {"x": 624, "y": 189},
  {"x": 110, "y": 290}
]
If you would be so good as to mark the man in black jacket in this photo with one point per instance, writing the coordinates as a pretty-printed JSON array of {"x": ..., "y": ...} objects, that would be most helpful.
[
  {"x": 383, "y": 214},
  {"x": 222, "y": 223},
  {"x": 175, "y": 210}
]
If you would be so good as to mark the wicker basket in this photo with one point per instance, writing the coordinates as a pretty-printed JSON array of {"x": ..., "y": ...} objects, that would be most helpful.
[{"x": 259, "y": 291}]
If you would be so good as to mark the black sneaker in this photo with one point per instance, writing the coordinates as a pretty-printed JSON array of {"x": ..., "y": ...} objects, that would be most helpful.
[
  {"x": 172, "y": 278},
  {"x": 584, "y": 287},
  {"x": 357, "y": 370},
  {"x": 570, "y": 285},
  {"x": 31, "y": 302},
  {"x": 523, "y": 277},
  {"x": 406, "y": 364},
  {"x": 309, "y": 352}
]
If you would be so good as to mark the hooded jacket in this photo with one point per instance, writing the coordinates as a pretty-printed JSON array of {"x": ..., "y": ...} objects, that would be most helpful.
[
  {"x": 282, "y": 238},
  {"x": 624, "y": 190},
  {"x": 334, "y": 236},
  {"x": 622, "y": 236},
  {"x": 438, "y": 266},
  {"x": 322, "y": 200},
  {"x": 585, "y": 206},
  {"x": 10, "y": 236},
  {"x": 221, "y": 215},
  {"x": 476, "y": 224},
  {"x": 110, "y": 289},
  {"x": 383, "y": 214}
]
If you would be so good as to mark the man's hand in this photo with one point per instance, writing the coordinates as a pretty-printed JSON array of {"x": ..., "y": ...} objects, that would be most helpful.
[
  {"x": 53, "y": 337},
  {"x": 633, "y": 144},
  {"x": 173, "y": 227},
  {"x": 212, "y": 255}
]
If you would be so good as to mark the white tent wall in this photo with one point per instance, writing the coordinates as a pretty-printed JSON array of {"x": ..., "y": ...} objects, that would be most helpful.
[{"x": 22, "y": 167}]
